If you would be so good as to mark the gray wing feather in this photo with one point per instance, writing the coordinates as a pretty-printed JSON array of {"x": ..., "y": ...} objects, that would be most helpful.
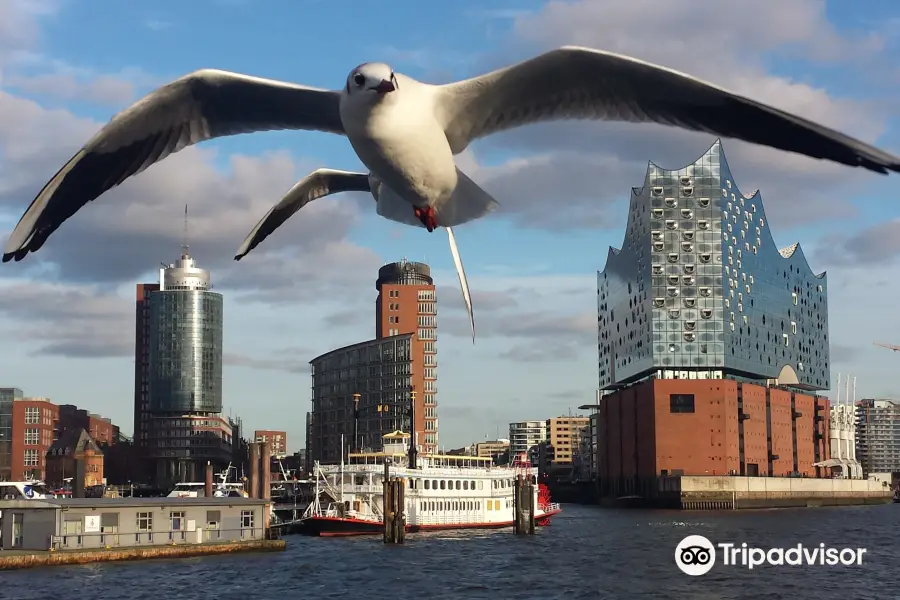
[
  {"x": 318, "y": 184},
  {"x": 581, "y": 83},
  {"x": 200, "y": 106}
]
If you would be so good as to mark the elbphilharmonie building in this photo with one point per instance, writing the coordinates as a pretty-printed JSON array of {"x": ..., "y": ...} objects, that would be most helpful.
[{"x": 699, "y": 290}]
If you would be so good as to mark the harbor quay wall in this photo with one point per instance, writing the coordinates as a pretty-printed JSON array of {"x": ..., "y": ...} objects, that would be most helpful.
[
  {"x": 696, "y": 492},
  {"x": 735, "y": 492},
  {"x": 12, "y": 559}
]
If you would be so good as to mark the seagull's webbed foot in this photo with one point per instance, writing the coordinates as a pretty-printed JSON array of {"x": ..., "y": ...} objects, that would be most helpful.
[{"x": 426, "y": 215}]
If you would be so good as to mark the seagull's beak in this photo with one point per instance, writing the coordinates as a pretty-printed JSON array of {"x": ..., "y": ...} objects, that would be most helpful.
[{"x": 384, "y": 87}]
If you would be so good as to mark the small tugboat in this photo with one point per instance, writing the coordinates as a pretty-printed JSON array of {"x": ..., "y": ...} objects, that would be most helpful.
[{"x": 442, "y": 492}]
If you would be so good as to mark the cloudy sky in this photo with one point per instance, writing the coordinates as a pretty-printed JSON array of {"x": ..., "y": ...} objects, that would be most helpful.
[{"x": 67, "y": 313}]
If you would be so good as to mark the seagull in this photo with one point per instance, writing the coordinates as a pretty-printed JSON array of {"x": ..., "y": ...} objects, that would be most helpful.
[
  {"x": 407, "y": 132},
  {"x": 325, "y": 182}
]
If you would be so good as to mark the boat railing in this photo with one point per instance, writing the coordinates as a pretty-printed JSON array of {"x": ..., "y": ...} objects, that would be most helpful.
[{"x": 550, "y": 507}]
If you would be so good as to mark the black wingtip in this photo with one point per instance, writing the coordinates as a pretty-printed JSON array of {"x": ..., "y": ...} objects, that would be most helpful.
[
  {"x": 7, "y": 257},
  {"x": 238, "y": 256}
]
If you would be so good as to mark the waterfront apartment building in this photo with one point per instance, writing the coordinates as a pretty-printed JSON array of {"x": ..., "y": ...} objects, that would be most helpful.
[
  {"x": 368, "y": 386},
  {"x": 699, "y": 290},
  {"x": 277, "y": 440},
  {"x": 178, "y": 375},
  {"x": 878, "y": 435},
  {"x": 564, "y": 436},
  {"x": 379, "y": 374},
  {"x": 525, "y": 437}
]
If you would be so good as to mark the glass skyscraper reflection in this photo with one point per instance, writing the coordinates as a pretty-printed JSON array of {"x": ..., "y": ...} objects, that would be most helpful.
[{"x": 699, "y": 290}]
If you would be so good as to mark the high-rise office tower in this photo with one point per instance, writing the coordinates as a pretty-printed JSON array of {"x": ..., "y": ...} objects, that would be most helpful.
[{"x": 179, "y": 370}]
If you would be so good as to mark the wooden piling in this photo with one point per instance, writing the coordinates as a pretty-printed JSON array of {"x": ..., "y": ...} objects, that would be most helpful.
[
  {"x": 387, "y": 504},
  {"x": 394, "y": 500},
  {"x": 523, "y": 506},
  {"x": 531, "y": 505}
]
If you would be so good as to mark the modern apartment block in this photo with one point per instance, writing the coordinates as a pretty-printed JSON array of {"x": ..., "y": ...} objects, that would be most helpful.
[
  {"x": 379, "y": 372},
  {"x": 564, "y": 435},
  {"x": 525, "y": 436},
  {"x": 878, "y": 435}
]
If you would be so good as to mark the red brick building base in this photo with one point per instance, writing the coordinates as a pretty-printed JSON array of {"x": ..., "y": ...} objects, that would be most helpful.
[{"x": 707, "y": 427}]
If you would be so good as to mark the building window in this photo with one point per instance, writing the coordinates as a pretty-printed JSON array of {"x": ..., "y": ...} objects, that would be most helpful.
[
  {"x": 246, "y": 521},
  {"x": 176, "y": 525},
  {"x": 31, "y": 458},
  {"x": 32, "y": 437},
  {"x": 32, "y": 415},
  {"x": 144, "y": 525},
  {"x": 681, "y": 403}
]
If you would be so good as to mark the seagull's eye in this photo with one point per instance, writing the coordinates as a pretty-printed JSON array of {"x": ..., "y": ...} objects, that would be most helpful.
[{"x": 359, "y": 79}]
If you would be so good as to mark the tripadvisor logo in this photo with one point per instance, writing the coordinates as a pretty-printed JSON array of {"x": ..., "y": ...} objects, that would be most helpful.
[{"x": 695, "y": 555}]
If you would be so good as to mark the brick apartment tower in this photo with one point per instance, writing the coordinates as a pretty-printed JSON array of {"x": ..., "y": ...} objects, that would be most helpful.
[
  {"x": 406, "y": 304},
  {"x": 142, "y": 365}
]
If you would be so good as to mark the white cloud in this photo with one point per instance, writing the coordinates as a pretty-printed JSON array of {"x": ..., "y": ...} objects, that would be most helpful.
[{"x": 571, "y": 172}]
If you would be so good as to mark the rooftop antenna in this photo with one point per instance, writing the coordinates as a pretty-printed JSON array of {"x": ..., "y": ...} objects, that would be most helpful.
[{"x": 185, "y": 248}]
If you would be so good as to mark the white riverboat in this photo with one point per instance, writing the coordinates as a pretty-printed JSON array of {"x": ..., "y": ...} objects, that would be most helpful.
[{"x": 441, "y": 492}]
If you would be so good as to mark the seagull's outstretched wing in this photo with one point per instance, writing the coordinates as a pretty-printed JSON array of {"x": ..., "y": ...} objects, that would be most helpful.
[
  {"x": 203, "y": 105},
  {"x": 318, "y": 184},
  {"x": 463, "y": 282},
  {"x": 580, "y": 83}
]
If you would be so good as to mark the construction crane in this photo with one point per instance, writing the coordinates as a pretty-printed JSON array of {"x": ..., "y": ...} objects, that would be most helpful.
[{"x": 888, "y": 346}]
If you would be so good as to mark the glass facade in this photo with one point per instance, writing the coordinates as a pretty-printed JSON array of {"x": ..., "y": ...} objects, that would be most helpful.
[
  {"x": 185, "y": 351},
  {"x": 7, "y": 397},
  {"x": 699, "y": 288},
  {"x": 380, "y": 371}
]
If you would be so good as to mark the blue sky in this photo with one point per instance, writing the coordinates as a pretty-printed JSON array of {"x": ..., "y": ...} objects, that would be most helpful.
[{"x": 66, "y": 66}]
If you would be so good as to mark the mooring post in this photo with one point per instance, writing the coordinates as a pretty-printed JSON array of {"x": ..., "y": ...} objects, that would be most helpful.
[
  {"x": 517, "y": 504},
  {"x": 531, "y": 505},
  {"x": 386, "y": 503},
  {"x": 402, "y": 510}
]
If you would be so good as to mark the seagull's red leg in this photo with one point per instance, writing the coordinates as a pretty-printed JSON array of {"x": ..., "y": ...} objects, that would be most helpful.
[{"x": 426, "y": 216}]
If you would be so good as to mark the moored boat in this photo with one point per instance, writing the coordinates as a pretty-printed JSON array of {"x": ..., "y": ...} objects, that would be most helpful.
[{"x": 442, "y": 492}]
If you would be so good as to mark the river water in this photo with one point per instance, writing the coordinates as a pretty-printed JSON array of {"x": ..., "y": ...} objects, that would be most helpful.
[{"x": 587, "y": 552}]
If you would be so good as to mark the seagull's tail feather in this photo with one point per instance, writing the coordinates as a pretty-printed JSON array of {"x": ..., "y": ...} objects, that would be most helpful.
[
  {"x": 394, "y": 208},
  {"x": 467, "y": 203},
  {"x": 463, "y": 282}
]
